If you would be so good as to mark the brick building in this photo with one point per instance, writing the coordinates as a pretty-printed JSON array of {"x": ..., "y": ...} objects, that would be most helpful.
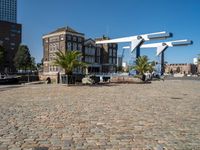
[
  {"x": 100, "y": 58},
  {"x": 92, "y": 56},
  {"x": 181, "y": 68},
  {"x": 108, "y": 56},
  {"x": 62, "y": 39}
]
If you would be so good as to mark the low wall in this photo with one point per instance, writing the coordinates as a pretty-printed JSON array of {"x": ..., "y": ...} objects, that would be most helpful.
[
  {"x": 125, "y": 79},
  {"x": 28, "y": 78}
]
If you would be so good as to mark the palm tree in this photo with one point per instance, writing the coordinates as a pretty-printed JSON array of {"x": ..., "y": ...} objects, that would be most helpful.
[
  {"x": 69, "y": 61},
  {"x": 152, "y": 66},
  {"x": 143, "y": 66}
]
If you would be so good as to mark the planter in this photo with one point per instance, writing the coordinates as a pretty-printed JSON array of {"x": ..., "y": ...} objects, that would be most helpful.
[{"x": 67, "y": 79}]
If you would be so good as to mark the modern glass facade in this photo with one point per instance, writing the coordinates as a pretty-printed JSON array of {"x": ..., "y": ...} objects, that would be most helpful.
[{"x": 8, "y": 10}]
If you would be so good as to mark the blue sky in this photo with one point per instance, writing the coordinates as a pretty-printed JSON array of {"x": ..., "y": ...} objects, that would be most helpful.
[{"x": 115, "y": 18}]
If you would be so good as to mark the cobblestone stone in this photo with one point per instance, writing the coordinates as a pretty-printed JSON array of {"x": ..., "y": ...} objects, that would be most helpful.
[{"x": 156, "y": 116}]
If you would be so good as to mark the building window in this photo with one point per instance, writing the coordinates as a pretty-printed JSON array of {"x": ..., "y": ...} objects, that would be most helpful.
[
  {"x": 98, "y": 51},
  {"x": 110, "y": 52},
  {"x": 114, "y": 61},
  {"x": 69, "y": 37},
  {"x": 54, "y": 39},
  {"x": 53, "y": 68},
  {"x": 12, "y": 44},
  {"x": 87, "y": 51},
  {"x": 74, "y": 46},
  {"x": 79, "y": 39},
  {"x": 89, "y": 59},
  {"x": 92, "y": 51},
  {"x": 54, "y": 47},
  {"x": 69, "y": 46},
  {"x": 74, "y": 38},
  {"x": 98, "y": 60},
  {"x": 110, "y": 60},
  {"x": 7, "y": 39},
  {"x": 50, "y": 47},
  {"x": 114, "y": 52},
  {"x": 79, "y": 47},
  {"x": 13, "y": 35}
]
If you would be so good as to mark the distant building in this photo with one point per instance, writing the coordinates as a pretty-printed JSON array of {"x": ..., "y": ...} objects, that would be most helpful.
[
  {"x": 195, "y": 61},
  {"x": 119, "y": 61},
  {"x": 100, "y": 58},
  {"x": 8, "y": 10},
  {"x": 10, "y": 32},
  {"x": 181, "y": 68},
  {"x": 125, "y": 66}
]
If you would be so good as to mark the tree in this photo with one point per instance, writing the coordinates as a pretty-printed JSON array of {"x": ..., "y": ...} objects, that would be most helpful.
[
  {"x": 143, "y": 66},
  {"x": 40, "y": 65},
  {"x": 69, "y": 61},
  {"x": 22, "y": 58},
  {"x": 120, "y": 68},
  {"x": 178, "y": 69},
  {"x": 33, "y": 64},
  {"x": 198, "y": 59},
  {"x": 2, "y": 56},
  {"x": 152, "y": 66}
]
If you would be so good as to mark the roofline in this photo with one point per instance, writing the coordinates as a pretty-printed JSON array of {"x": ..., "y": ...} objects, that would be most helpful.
[
  {"x": 89, "y": 39},
  {"x": 62, "y": 32}
]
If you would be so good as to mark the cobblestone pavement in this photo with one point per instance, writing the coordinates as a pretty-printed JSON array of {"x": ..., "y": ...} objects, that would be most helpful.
[{"x": 157, "y": 116}]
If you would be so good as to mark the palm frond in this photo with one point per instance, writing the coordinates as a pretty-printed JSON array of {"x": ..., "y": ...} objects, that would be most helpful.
[
  {"x": 142, "y": 65},
  {"x": 69, "y": 60}
]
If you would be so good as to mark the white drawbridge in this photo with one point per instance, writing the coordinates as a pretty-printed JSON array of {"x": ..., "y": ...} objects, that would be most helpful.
[
  {"x": 138, "y": 40},
  {"x": 162, "y": 46}
]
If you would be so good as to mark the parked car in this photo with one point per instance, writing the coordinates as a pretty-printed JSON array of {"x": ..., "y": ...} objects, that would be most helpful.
[{"x": 8, "y": 79}]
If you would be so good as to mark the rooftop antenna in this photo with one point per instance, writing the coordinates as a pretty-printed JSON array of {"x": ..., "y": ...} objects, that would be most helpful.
[{"x": 107, "y": 30}]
